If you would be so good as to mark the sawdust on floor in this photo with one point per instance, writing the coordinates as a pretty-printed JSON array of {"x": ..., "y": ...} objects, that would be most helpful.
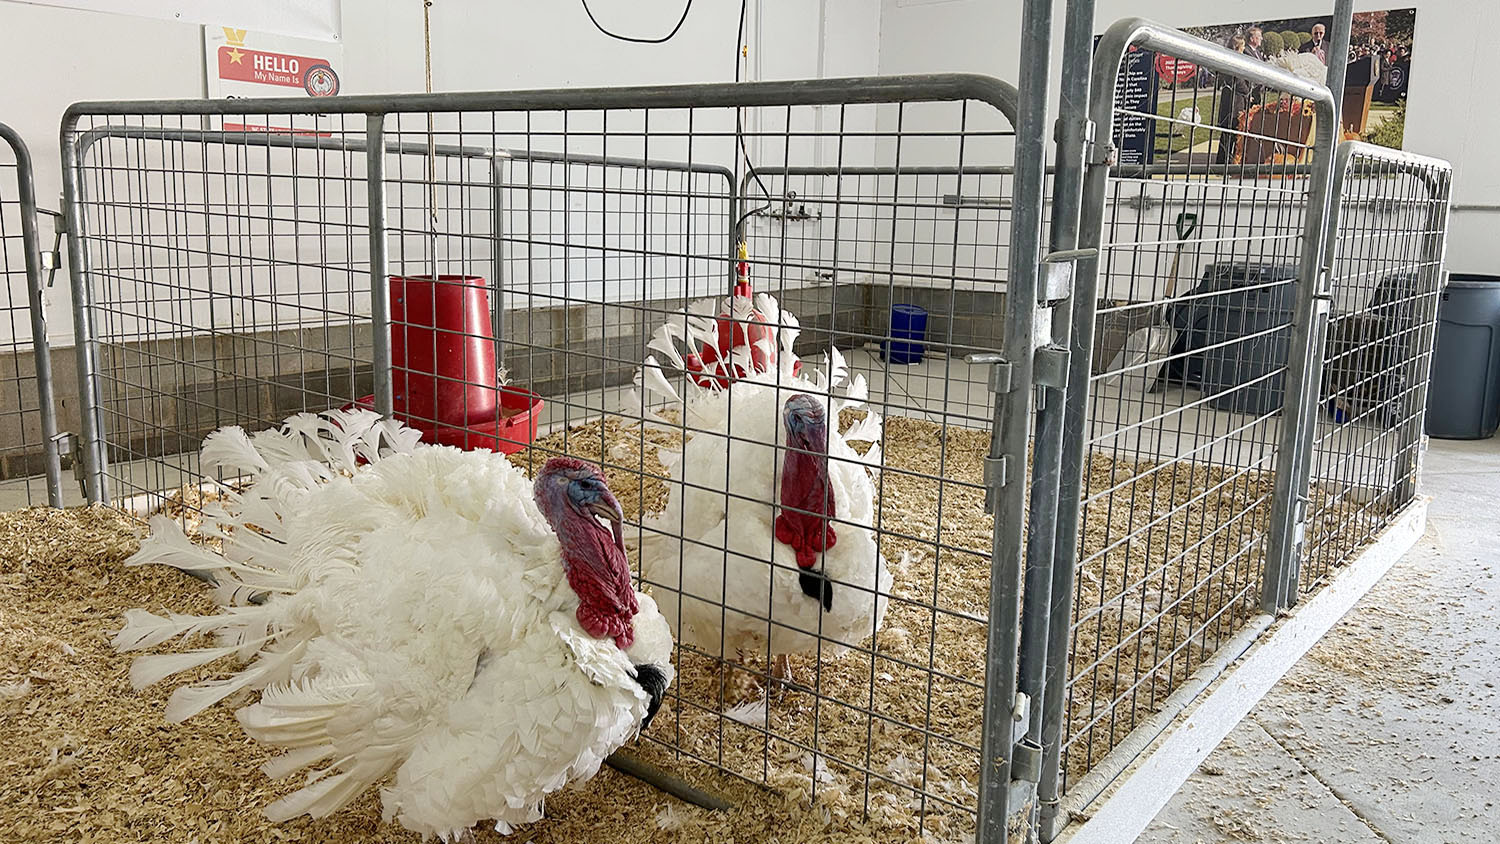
[{"x": 885, "y": 751}]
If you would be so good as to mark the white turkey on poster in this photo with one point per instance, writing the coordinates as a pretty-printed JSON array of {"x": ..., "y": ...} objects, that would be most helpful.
[
  {"x": 1305, "y": 65},
  {"x": 778, "y": 507},
  {"x": 427, "y": 619}
]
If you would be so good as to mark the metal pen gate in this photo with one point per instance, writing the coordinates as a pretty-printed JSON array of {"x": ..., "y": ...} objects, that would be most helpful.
[
  {"x": 30, "y": 468},
  {"x": 1385, "y": 249},
  {"x": 203, "y": 250},
  {"x": 1173, "y": 452}
]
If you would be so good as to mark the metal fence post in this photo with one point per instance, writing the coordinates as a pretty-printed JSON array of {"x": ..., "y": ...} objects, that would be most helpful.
[
  {"x": 1073, "y": 137},
  {"x": 1005, "y": 468},
  {"x": 1287, "y": 533},
  {"x": 1305, "y": 362},
  {"x": 85, "y": 339},
  {"x": 41, "y": 353},
  {"x": 380, "y": 312}
]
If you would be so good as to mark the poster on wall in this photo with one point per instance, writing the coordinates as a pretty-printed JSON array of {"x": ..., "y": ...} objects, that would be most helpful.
[
  {"x": 239, "y": 63},
  {"x": 1199, "y": 105}
]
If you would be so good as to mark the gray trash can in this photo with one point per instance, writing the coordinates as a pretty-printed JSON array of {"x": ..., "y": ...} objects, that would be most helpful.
[{"x": 1463, "y": 397}]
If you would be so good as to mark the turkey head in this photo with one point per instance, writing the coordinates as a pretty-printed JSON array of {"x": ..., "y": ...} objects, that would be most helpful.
[
  {"x": 807, "y": 501},
  {"x": 574, "y": 498}
]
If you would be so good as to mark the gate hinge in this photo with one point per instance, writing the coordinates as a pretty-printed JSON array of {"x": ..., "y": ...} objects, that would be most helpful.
[
  {"x": 1020, "y": 714},
  {"x": 996, "y": 472},
  {"x": 1323, "y": 286},
  {"x": 996, "y": 475},
  {"x": 52, "y": 260},
  {"x": 1050, "y": 366},
  {"x": 1026, "y": 761},
  {"x": 1299, "y": 521},
  {"x": 999, "y": 380},
  {"x": 80, "y": 471},
  {"x": 1090, "y": 131}
]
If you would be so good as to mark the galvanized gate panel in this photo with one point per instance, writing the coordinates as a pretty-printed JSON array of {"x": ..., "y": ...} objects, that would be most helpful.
[
  {"x": 234, "y": 277},
  {"x": 1386, "y": 245},
  {"x": 30, "y": 468},
  {"x": 1180, "y": 441}
]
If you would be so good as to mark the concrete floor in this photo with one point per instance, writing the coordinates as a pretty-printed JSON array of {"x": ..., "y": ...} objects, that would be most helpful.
[{"x": 1387, "y": 730}]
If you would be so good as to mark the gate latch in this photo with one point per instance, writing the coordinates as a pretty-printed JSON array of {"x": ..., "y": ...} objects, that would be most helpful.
[
  {"x": 999, "y": 380},
  {"x": 1058, "y": 269}
]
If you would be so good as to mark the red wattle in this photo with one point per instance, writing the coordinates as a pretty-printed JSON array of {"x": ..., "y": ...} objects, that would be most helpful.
[{"x": 807, "y": 535}]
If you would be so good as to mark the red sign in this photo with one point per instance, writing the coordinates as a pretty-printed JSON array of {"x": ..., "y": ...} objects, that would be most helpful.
[
  {"x": 1175, "y": 70},
  {"x": 313, "y": 75}
]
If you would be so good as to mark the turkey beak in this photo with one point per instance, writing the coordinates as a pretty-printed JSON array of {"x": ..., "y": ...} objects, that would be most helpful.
[{"x": 607, "y": 508}]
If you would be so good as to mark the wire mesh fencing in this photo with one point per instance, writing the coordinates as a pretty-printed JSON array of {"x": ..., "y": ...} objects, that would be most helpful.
[
  {"x": 1209, "y": 228},
  {"x": 30, "y": 470},
  {"x": 543, "y": 274},
  {"x": 1386, "y": 244},
  {"x": 929, "y": 241}
]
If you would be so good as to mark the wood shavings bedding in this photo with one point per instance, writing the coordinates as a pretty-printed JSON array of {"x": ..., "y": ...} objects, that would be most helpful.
[{"x": 90, "y": 760}]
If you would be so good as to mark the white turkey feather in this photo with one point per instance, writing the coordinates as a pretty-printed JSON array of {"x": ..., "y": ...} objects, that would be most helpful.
[
  {"x": 838, "y": 371},
  {"x": 230, "y": 448},
  {"x": 151, "y": 669},
  {"x": 292, "y": 761},
  {"x": 664, "y": 340},
  {"x": 787, "y": 335},
  {"x": 866, "y": 430},
  {"x": 187, "y": 701},
  {"x": 146, "y": 630},
  {"x": 650, "y": 378}
]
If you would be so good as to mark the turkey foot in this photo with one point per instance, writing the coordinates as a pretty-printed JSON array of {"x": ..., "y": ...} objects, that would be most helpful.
[{"x": 782, "y": 679}]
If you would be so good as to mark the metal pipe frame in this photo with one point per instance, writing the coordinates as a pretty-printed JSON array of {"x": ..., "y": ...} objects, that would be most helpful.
[
  {"x": 86, "y": 343},
  {"x": 1106, "y": 61},
  {"x": 41, "y": 352},
  {"x": 1005, "y": 710},
  {"x": 1047, "y": 666}
]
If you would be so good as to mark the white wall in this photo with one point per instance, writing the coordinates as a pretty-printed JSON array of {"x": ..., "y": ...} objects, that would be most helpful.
[
  {"x": 54, "y": 57},
  {"x": 1451, "y": 111}
]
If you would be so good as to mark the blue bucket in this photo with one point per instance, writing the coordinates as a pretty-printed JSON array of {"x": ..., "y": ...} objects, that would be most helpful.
[{"x": 908, "y": 330}]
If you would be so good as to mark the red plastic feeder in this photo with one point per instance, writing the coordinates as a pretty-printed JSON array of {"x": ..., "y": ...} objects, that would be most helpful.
[{"x": 443, "y": 374}]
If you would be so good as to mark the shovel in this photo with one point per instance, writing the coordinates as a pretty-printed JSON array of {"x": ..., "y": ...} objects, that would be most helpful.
[{"x": 1146, "y": 349}]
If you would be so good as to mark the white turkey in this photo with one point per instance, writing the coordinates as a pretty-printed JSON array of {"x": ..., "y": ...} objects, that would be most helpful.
[
  {"x": 773, "y": 505},
  {"x": 428, "y": 619},
  {"x": 1305, "y": 65}
]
